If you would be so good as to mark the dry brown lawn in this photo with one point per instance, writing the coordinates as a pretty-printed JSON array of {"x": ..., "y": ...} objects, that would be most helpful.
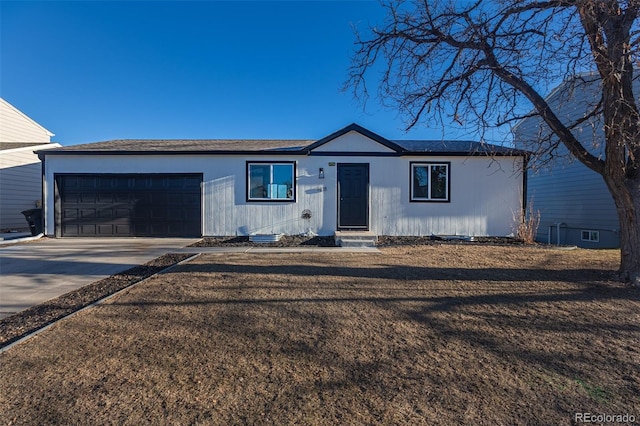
[{"x": 437, "y": 334}]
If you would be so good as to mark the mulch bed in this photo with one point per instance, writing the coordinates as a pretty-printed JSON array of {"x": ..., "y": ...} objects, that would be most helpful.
[
  {"x": 317, "y": 241},
  {"x": 285, "y": 241}
]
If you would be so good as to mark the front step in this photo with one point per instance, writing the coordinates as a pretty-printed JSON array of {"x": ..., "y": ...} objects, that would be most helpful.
[{"x": 355, "y": 239}]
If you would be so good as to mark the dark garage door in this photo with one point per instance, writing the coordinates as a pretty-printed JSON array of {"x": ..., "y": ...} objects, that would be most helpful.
[{"x": 141, "y": 205}]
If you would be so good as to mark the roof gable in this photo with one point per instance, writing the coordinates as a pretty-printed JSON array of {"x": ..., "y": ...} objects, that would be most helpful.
[
  {"x": 353, "y": 139},
  {"x": 17, "y": 127}
]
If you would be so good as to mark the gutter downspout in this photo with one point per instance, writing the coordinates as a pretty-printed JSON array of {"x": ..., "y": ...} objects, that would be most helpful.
[
  {"x": 525, "y": 181},
  {"x": 550, "y": 230},
  {"x": 43, "y": 186},
  {"x": 558, "y": 230}
]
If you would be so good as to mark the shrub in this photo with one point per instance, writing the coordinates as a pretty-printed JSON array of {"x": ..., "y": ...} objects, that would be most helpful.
[{"x": 526, "y": 222}]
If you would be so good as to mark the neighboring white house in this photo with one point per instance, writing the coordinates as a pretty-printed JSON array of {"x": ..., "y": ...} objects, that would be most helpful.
[
  {"x": 352, "y": 179},
  {"x": 576, "y": 207},
  {"x": 20, "y": 168}
]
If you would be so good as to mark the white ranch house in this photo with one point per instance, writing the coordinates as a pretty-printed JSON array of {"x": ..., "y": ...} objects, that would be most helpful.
[{"x": 352, "y": 179}]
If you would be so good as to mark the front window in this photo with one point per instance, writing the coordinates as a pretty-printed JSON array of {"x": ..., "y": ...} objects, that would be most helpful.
[
  {"x": 271, "y": 181},
  {"x": 430, "y": 181}
]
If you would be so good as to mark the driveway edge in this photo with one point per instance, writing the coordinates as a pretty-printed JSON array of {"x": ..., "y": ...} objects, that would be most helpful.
[{"x": 91, "y": 305}]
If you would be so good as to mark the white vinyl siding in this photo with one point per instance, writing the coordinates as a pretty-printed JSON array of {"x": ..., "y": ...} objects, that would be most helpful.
[
  {"x": 20, "y": 168},
  {"x": 17, "y": 127},
  {"x": 487, "y": 192},
  {"x": 353, "y": 142},
  {"x": 20, "y": 184}
]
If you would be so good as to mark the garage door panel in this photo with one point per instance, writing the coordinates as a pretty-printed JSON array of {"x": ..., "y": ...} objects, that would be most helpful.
[
  {"x": 176, "y": 184},
  {"x": 157, "y": 227},
  {"x": 176, "y": 229},
  {"x": 86, "y": 182},
  {"x": 73, "y": 197},
  {"x": 140, "y": 229},
  {"x": 191, "y": 181},
  {"x": 174, "y": 198},
  {"x": 88, "y": 214},
  {"x": 191, "y": 212},
  {"x": 88, "y": 229},
  {"x": 105, "y": 214},
  {"x": 122, "y": 230},
  {"x": 176, "y": 214},
  {"x": 105, "y": 197},
  {"x": 88, "y": 197},
  {"x": 157, "y": 214},
  {"x": 160, "y": 198},
  {"x": 113, "y": 229},
  {"x": 105, "y": 229},
  {"x": 191, "y": 199},
  {"x": 120, "y": 197},
  {"x": 190, "y": 227},
  {"x": 120, "y": 182},
  {"x": 142, "y": 211},
  {"x": 141, "y": 198},
  {"x": 123, "y": 212},
  {"x": 130, "y": 205},
  {"x": 70, "y": 214},
  {"x": 113, "y": 213},
  {"x": 70, "y": 230},
  {"x": 104, "y": 184}
]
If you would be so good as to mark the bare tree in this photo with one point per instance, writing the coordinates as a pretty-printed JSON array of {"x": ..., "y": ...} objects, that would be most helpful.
[{"x": 487, "y": 63}]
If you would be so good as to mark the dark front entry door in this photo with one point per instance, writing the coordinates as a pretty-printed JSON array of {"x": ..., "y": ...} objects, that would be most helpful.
[{"x": 353, "y": 196}]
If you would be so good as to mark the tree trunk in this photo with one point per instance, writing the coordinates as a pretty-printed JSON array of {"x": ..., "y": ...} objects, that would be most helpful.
[{"x": 627, "y": 199}]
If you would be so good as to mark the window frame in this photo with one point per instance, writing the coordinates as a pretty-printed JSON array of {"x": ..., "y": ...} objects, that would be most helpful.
[
  {"x": 250, "y": 199},
  {"x": 430, "y": 164},
  {"x": 591, "y": 233}
]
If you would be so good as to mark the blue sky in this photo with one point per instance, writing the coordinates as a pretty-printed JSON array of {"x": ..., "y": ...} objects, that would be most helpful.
[{"x": 99, "y": 70}]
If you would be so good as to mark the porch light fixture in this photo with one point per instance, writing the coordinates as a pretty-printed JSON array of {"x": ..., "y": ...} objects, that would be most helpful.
[{"x": 321, "y": 173}]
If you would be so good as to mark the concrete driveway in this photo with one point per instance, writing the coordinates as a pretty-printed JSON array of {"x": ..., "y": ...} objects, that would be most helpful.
[{"x": 36, "y": 271}]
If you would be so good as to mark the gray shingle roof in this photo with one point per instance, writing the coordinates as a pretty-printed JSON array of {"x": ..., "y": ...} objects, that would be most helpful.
[
  {"x": 187, "y": 145},
  {"x": 454, "y": 147},
  {"x": 280, "y": 146},
  {"x": 14, "y": 145}
]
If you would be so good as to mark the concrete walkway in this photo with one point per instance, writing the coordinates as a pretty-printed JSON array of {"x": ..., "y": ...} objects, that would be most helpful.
[
  {"x": 16, "y": 237},
  {"x": 196, "y": 250}
]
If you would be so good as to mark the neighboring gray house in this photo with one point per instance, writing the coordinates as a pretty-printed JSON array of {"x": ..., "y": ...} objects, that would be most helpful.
[
  {"x": 575, "y": 205},
  {"x": 20, "y": 168},
  {"x": 352, "y": 179}
]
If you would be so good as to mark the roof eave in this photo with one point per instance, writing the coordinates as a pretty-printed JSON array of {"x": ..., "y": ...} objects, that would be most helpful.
[
  {"x": 168, "y": 152},
  {"x": 302, "y": 152},
  {"x": 514, "y": 153}
]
